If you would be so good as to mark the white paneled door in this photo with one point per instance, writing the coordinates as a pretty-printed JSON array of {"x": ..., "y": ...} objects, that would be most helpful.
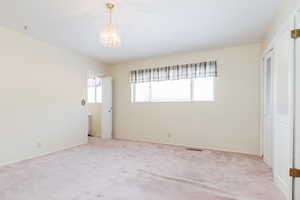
[
  {"x": 106, "y": 111},
  {"x": 283, "y": 101}
]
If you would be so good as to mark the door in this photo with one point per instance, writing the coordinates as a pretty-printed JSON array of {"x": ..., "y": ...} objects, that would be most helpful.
[
  {"x": 268, "y": 110},
  {"x": 283, "y": 117},
  {"x": 106, "y": 111},
  {"x": 296, "y": 181}
]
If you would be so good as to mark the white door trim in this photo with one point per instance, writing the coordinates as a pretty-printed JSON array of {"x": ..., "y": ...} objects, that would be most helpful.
[{"x": 263, "y": 142}]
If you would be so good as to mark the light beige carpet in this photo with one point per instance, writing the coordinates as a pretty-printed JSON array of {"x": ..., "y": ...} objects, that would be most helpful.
[{"x": 120, "y": 170}]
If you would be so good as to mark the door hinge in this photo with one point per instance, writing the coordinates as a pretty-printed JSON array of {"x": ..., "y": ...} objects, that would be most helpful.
[
  {"x": 295, "y": 173},
  {"x": 295, "y": 34}
]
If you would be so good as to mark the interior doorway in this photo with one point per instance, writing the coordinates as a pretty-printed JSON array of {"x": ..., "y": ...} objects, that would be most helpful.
[
  {"x": 99, "y": 99},
  {"x": 94, "y": 100}
]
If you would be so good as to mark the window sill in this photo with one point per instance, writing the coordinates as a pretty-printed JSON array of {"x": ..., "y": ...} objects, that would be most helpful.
[{"x": 140, "y": 102}]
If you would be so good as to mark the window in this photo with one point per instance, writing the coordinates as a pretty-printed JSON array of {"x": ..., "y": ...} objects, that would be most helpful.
[
  {"x": 171, "y": 90},
  {"x": 203, "y": 89},
  {"x": 94, "y": 90},
  {"x": 141, "y": 92},
  {"x": 185, "y": 90}
]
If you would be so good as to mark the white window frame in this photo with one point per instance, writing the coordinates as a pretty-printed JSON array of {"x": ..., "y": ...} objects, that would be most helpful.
[{"x": 133, "y": 95}]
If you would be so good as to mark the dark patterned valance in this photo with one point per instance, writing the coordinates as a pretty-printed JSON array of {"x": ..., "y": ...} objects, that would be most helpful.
[{"x": 187, "y": 71}]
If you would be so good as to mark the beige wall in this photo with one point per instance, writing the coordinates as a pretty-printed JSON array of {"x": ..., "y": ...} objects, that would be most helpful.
[
  {"x": 41, "y": 89},
  {"x": 231, "y": 123}
]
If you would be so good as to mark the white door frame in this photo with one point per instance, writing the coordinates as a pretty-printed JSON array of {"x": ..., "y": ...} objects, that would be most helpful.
[
  {"x": 268, "y": 55},
  {"x": 292, "y": 113}
]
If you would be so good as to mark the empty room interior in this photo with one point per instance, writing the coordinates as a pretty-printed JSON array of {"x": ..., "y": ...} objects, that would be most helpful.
[{"x": 150, "y": 100}]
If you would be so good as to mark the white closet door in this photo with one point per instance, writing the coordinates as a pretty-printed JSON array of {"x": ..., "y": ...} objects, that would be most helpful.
[
  {"x": 283, "y": 110},
  {"x": 106, "y": 111}
]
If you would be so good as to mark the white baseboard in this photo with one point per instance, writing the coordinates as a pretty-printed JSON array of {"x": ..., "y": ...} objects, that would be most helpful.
[
  {"x": 188, "y": 146},
  {"x": 39, "y": 155}
]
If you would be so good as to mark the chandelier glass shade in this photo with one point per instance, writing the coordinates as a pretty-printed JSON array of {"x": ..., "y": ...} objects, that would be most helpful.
[{"x": 109, "y": 36}]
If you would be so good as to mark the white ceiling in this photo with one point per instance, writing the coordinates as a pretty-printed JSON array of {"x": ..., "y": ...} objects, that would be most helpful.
[{"x": 147, "y": 27}]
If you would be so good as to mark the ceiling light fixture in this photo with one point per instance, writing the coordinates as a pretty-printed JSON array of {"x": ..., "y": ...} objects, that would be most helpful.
[{"x": 109, "y": 37}]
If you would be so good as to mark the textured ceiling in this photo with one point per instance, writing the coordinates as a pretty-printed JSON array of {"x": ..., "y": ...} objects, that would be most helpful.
[{"x": 147, "y": 28}]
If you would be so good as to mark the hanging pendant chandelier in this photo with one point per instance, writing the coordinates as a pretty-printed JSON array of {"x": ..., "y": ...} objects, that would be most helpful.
[{"x": 109, "y": 37}]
